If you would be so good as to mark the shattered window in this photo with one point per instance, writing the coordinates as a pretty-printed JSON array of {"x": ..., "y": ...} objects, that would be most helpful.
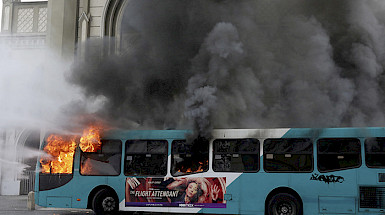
[
  {"x": 338, "y": 153},
  {"x": 189, "y": 157},
  {"x": 236, "y": 155},
  {"x": 375, "y": 152},
  {"x": 146, "y": 157},
  {"x": 288, "y": 155},
  {"x": 105, "y": 161},
  {"x": 60, "y": 151},
  {"x": 57, "y": 164}
]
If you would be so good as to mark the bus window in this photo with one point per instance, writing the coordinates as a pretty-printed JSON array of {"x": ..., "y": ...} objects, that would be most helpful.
[
  {"x": 189, "y": 157},
  {"x": 288, "y": 155},
  {"x": 338, "y": 154},
  {"x": 375, "y": 152},
  {"x": 146, "y": 158},
  {"x": 57, "y": 167},
  {"x": 236, "y": 155},
  {"x": 105, "y": 161}
]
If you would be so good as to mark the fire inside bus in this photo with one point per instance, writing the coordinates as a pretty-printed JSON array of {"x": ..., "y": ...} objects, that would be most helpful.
[{"x": 237, "y": 171}]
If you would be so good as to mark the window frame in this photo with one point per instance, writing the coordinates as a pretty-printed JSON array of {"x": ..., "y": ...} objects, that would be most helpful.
[
  {"x": 187, "y": 173},
  {"x": 365, "y": 151},
  {"x": 126, "y": 154},
  {"x": 45, "y": 142},
  {"x": 275, "y": 171},
  {"x": 340, "y": 169},
  {"x": 50, "y": 181},
  {"x": 120, "y": 163},
  {"x": 258, "y": 154}
]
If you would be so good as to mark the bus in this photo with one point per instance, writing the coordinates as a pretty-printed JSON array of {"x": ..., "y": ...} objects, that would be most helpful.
[{"x": 236, "y": 171}]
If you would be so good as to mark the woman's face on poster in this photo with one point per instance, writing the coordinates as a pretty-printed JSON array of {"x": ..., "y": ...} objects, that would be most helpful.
[{"x": 192, "y": 190}]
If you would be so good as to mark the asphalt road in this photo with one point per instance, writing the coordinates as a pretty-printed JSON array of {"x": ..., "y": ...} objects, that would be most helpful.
[{"x": 15, "y": 205}]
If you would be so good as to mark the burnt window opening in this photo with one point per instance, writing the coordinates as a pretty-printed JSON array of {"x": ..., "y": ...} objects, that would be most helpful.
[
  {"x": 375, "y": 152},
  {"x": 189, "y": 157},
  {"x": 56, "y": 167},
  {"x": 60, "y": 153},
  {"x": 288, "y": 155},
  {"x": 106, "y": 161},
  {"x": 236, "y": 155},
  {"x": 146, "y": 158},
  {"x": 338, "y": 154}
]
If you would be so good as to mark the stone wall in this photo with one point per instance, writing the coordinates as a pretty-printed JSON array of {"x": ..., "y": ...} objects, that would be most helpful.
[{"x": 91, "y": 14}]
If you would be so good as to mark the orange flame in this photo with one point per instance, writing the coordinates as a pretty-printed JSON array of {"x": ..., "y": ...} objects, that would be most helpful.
[
  {"x": 61, "y": 150},
  {"x": 200, "y": 168},
  {"x": 90, "y": 141}
]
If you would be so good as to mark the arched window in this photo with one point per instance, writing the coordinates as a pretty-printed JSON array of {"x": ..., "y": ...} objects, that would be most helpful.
[
  {"x": 112, "y": 15},
  {"x": 6, "y": 18}
]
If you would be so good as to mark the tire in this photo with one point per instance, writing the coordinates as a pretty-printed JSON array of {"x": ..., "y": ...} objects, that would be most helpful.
[
  {"x": 284, "y": 204},
  {"x": 105, "y": 202}
]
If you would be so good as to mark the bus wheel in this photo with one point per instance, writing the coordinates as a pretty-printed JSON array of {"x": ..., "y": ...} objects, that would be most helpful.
[
  {"x": 283, "y": 204},
  {"x": 105, "y": 202}
]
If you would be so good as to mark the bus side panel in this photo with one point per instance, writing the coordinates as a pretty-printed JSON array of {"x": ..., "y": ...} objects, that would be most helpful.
[
  {"x": 77, "y": 190},
  {"x": 255, "y": 188},
  {"x": 300, "y": 183},
  {"x": 247, "y": 193},
  {"x": 232, "y": 198},
  {"x": 316, "y": 189},
  {"x": 371, "y": 189},
  {"x": 118, "y": 184}
]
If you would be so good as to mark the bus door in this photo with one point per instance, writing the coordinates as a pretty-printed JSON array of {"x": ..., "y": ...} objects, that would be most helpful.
[
  {"x": 371, "y": 177},
  {"x": 335, "y": 179}
]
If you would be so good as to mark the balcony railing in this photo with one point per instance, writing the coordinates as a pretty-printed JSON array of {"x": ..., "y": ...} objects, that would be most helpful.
[{"x": 23, "y": 41}]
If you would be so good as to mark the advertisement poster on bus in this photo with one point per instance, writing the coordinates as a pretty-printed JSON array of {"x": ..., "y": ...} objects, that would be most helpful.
[{"x": 194, "y": 192}]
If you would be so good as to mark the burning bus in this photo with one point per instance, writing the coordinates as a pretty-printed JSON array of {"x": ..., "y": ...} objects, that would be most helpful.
[{"x": 236, "y": 171}]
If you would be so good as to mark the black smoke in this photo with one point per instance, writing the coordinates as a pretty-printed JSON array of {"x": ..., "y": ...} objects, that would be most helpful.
[{"x": 241, "y": 64}]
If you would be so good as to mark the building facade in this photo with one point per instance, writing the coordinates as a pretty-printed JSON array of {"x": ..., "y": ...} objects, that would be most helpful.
[{"x": 61, "y": 26}]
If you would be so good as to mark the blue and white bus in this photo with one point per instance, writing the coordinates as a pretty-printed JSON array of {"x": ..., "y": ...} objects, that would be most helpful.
[{"x": 237, "y": 171}]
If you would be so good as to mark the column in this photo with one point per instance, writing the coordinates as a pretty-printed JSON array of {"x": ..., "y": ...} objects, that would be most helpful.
[{"x": 62, "y": 24}]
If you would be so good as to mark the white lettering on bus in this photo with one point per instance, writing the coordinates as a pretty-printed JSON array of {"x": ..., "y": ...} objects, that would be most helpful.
[{"x": 156, "y": 193}]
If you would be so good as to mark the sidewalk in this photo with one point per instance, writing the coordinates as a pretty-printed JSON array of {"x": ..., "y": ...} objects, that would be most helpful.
[{"x": 13, "y": 203}]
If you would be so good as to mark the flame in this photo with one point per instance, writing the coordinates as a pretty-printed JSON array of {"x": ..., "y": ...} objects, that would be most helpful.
[
  {"x": 90, "y": 140},
  {"x": 61, "y": 150},
  {"x": 200, "y": 168}
]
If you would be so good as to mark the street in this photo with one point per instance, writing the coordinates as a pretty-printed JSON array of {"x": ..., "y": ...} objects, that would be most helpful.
[{"x": 15, "y": 205}]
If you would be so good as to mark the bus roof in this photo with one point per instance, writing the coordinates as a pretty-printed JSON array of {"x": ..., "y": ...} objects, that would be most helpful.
[{"x": 313, "y": 133}]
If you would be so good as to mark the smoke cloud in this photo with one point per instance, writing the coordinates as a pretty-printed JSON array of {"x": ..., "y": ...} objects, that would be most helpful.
[
  {"x": 35, "y": 93},
  {"x": 34, "y": 97},
  {"x": 241, "y": 64}
]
